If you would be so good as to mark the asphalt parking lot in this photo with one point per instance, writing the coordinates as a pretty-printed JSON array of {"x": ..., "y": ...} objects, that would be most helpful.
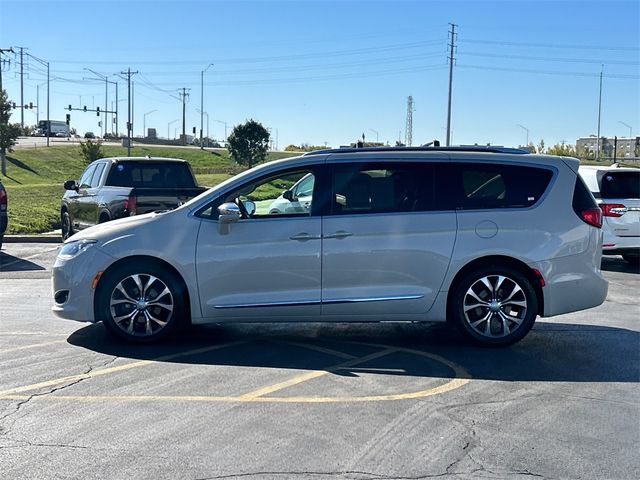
[{"x": 381, "y": 401}]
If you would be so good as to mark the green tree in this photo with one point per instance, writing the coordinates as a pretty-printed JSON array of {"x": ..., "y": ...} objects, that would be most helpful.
[
  {"x": 91, "y": 150},
  {"x": 562, "y": 150},
  {"x": 8, "y": 133},
  {"x": 248, "y": 143},
  {"x": 541, "y": 146}
]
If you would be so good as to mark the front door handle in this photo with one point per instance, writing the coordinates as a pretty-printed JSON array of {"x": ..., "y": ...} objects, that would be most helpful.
[
  {"x": 339, "y": 234},
  {"x": 302, "y": 237}
]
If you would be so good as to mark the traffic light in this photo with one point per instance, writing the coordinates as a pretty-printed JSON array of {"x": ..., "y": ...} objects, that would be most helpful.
[
  {"x": 85, "y": 108},
  {"x": 97, "y": 111},
  {"x": 100, "y": 123},
  {"x": 68, "y": 118},
  {"x": 30, "y": 104},
  {"x": 194, "y": 130},
  {"x": 69, "y": 107}
]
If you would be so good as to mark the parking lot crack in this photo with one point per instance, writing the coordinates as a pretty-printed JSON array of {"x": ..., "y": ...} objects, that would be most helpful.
[{"x": 6, "y": 430}]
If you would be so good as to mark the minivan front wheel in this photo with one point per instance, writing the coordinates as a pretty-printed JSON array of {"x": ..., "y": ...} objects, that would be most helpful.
[
  {"x": 494, "y": 306},
  {"x": 141, "y": 303}
]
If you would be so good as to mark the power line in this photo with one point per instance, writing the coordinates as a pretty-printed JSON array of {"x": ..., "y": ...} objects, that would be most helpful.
[
  {"x": 549, "y": 72},
  {"x": 550, "y": 59},
  {"x": 334, "y": 53},
  {"x": 550, "y": 45}
]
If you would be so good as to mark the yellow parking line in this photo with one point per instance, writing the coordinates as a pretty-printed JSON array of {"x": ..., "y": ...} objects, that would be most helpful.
[
  {"x": 17, "y": 334},
  {"x": 315, "y": 374},
  {"x": 108, "y": 370},
  {"x": 447, "y": 387},
  {"x": 35, "y": 345}
]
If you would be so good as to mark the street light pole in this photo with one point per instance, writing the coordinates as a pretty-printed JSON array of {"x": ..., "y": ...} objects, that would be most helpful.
[
  {"x": 169, "y": 128},
  {"x": 225, "y": 129},
  {"x": 526, "y": 130},
  {"x": 376, "y": 132},
  {"x": 144, "y": 123},
  {"x": 202, "y": 101},
  {"x": 629, "y": 127}
]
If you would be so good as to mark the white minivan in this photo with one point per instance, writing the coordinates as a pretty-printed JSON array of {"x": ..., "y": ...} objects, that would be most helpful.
[{"x": 486, "y": 238}]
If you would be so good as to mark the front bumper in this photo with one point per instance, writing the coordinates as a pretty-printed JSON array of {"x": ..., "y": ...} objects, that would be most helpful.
[{"x": 72, "y": 284}]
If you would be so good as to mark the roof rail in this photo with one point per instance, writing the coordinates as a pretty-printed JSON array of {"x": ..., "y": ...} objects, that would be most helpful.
[{"x": 424, "y": 148}]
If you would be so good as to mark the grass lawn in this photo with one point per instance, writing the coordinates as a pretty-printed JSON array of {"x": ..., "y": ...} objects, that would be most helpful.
[{"x": 35, "y": 176}]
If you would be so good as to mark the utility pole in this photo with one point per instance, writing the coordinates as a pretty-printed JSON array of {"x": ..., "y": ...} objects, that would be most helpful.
[
  {"x": 202, "y": 103},
  {"x": 599, "y": 112},
  {"x": 21, "y": 86},
  {"x": 184, "y": 96},
  {"x": 2, "y": 50},
  {"x": 452, "y": 45},
  {"x": 129, "y": 73}
]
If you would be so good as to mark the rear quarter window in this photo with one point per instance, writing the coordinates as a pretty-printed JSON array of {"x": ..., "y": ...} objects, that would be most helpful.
[
  {"x": 489, "y": 186},
  {"x": 620, "y": 185}
]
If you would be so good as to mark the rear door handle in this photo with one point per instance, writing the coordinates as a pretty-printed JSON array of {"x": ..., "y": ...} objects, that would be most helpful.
[
  {"x": 339, "y": 234},
  {"x": 302, "y": 237}
]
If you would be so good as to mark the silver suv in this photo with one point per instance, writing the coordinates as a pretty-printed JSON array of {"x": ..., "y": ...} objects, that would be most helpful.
[{"x": 486, "y": 238}]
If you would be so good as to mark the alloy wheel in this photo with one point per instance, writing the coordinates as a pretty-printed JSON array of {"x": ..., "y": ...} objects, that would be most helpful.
[
  {"x": 141, "y": 305},
  {"x": 495, "y": 306}
]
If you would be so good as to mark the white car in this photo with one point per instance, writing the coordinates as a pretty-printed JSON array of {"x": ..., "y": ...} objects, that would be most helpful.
[
  {"x": 617, "y": 191},
  {"x": 487, "y": 238},
  {"x": 295, "y": 200}
]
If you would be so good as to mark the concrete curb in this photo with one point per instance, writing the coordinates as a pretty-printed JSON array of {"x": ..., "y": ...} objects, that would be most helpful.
[{"x": 32, "y": 239}]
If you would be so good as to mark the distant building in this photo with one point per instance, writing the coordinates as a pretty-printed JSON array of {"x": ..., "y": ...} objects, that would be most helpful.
[{"x": 627, "y": 147}]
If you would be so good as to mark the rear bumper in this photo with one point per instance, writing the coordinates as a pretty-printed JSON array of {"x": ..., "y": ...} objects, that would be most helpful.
[{"x": 574, "y": 282}]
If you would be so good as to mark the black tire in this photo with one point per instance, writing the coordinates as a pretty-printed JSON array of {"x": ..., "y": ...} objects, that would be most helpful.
[
  {"x": 632, "y": 258},
  {"x": 493, "y": 316},
  {"x": 1, "y": 237},
  {"x": 67, "y": 227},
  {"x": 141, "y": 315}
]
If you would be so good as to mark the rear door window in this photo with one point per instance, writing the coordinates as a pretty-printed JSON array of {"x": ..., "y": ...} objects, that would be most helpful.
[
  {"x": 620, "y": 185},
  {"x": 382, "y": 187}
]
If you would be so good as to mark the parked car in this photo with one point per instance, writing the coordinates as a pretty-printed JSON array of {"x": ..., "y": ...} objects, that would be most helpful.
[
  {"x": 297, "y": 199},
  {"x": 617, "y": 191},
  {"x": 113, "y": 188},
  {"x": 487, "y": 238},
  {"x": 3, "y": 212}
]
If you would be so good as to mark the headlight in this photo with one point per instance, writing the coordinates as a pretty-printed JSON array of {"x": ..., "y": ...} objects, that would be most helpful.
[{"x": 71, "y": 249}]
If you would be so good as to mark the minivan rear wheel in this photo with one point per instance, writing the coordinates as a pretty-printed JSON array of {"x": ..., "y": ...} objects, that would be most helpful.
[{"x": 494, "y": 306}]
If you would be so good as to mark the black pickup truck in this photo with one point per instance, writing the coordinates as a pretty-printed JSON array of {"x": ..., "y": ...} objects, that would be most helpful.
[{"x": 113, "y": 188}]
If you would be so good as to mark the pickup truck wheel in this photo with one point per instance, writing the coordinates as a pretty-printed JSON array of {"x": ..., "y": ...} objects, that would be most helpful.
[
  {"x": 141, "y": 303},
  {"x": 67, "y": 228},
  {"x": 494, "y": 306}
]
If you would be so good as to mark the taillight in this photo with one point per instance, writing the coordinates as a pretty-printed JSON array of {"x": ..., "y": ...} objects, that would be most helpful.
[
  {"x": 130, "y": 205},
  {"x": 592, "y": 216},
  {"x": 613, "y": 209},
  {"x": 3, "y": 199}
]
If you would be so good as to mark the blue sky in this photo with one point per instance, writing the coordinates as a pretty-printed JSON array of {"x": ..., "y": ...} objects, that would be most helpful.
[{"x": 329, "y": 71}]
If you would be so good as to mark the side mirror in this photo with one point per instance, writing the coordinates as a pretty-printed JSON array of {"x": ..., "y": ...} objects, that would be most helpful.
[
  {"x": 249, "y": 206},
  {"x": 288, "y": 195},
  {"x": 229, "y": 212},
  {"x": 71, "y": 185}
]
